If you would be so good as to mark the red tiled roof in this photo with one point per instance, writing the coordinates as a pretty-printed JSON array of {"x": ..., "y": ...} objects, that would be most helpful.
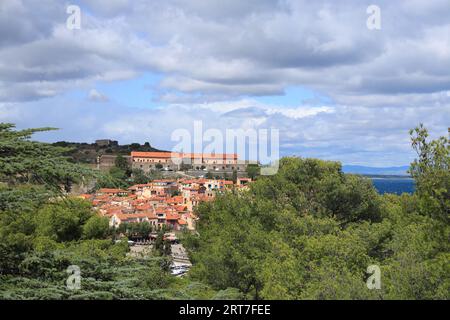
[
  {"x": 167, "y": 155},
  {"x": 180, "y": 208},
  {"x": 172, "y": 216},
  {"x": 146, "y": 206},
  {"x": 164, "y": 155}
]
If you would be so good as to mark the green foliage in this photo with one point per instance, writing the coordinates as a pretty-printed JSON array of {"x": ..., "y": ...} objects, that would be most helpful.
[
  {"x": 122, "y": 164},
  {"x": 310, "y": 232},
  {"x": 96, "y": 227},
  {"x": 253, "y": 170},
  {"x": 25, "y": 161},
  {"x": 431, "y": 170},
  {"x": 139, "y": 230},
  {"x": 234, "y": 176},
  {"x": 42, "y": 232},
  {"x": 162, "y": 247},
  {"x": 63, "y": 221},
  {"x": 139, "y": 177},
  {"x": 155, "y": 278},
  {"x": 229, "y": 294}
]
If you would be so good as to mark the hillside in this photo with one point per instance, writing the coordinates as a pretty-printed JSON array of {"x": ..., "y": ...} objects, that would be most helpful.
[{"x": 88, "y": 152}]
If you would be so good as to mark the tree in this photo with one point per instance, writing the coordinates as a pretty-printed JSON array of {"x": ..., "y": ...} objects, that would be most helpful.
[
  {"x": 139, "y": 176},
  {"x": 118, "y": 174},
  {"x": 167, "y": 251},
  {"x": 155, "y": 278},
  {"x": 253, "y": 170},
  {"x": 159, "y": 243},
  {"x": 43, "y": 231},
  {"x": 234, "y": 176},
  {"x": 63, "y": 220},
  {"x": 25, "y": 161},
  {"x": 262, "y": 241},
  {"x": 432, "y": 173},
  {"x": 142, "y": 229},
  {"x": 122, "y": 163},
  {"x": 96, "y": 227}
]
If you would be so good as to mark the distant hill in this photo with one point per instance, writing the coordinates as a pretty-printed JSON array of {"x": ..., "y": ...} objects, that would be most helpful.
[
  {"x": 88, "y": 152},
  {"x": 395, "y": 171}
]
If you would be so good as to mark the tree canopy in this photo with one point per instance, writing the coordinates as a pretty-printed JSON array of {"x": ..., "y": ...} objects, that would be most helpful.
[
  {"x": 308, "y": 232},
  {"x": 311, "y": 231}
]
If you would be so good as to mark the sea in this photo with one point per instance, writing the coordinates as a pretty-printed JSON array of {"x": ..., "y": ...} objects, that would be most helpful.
[{"x": 393, "y": 185}]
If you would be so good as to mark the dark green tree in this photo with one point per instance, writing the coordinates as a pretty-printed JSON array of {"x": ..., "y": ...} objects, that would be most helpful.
[
  {"x": 96, "y": 227},
  {"x": 253, "y": 171},
  {"x": 234, "y": 176},
  {"x": 431, "y": 170},
  {"x": 122, "y": 163}
]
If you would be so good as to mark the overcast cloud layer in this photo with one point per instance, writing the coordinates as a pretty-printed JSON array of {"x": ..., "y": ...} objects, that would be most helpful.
[{"x": 217, "y": 61}]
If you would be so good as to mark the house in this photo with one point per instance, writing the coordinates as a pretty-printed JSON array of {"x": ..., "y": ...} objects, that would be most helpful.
[
  {"x": 112, "y": 192},
  {"x": 118, "y": 218},
  {"x": 147, "y": 161}
]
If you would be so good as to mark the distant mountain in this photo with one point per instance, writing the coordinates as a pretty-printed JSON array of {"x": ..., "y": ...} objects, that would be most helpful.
[{"x": 395, "y": 171}]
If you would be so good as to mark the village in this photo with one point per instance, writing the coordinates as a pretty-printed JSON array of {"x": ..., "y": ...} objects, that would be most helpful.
[{"x": 164, "y": 206}]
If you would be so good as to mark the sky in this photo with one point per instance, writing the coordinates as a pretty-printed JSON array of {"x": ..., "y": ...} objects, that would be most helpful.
[{"x": 138, "y": 70}]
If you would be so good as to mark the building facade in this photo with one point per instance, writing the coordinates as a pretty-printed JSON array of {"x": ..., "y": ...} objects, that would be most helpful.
[{"x": 147, "y": 161}]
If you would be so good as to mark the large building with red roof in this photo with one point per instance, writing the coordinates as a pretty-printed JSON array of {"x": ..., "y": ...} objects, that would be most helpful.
[{"x": 147, "y": 161}]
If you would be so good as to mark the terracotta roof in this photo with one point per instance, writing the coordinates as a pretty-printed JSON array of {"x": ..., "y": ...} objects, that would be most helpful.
[
  {"x": 181, "y": 208},
  {"x": 146, "y": 206},
  {"x": 164, "y": 155},
  {"x": 172, "y": 216},
  {"x": 167, "y": 155}
]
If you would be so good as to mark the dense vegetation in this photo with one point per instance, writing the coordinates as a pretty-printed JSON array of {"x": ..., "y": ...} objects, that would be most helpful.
[
  {"x": 88, "y": 152},
  {"x": 121, "y": 175},
  {"x": 308, "y": 232},
  {"x": 43, "y": 232}
]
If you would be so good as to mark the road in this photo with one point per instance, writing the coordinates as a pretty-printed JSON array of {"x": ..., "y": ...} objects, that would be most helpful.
[{"x": 179, "y": 254}]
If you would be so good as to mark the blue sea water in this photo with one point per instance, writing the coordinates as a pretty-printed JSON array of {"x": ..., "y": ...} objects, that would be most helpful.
[{"x": 394, "y": 185}]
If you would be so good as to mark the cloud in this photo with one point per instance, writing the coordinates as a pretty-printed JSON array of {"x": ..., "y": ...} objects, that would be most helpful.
[
  {"x": 358, "y": 135},
  {"x": 229, "y": 49},
  {"x": 96, "y": 96},
  {"x": 216, "y": 59}
]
